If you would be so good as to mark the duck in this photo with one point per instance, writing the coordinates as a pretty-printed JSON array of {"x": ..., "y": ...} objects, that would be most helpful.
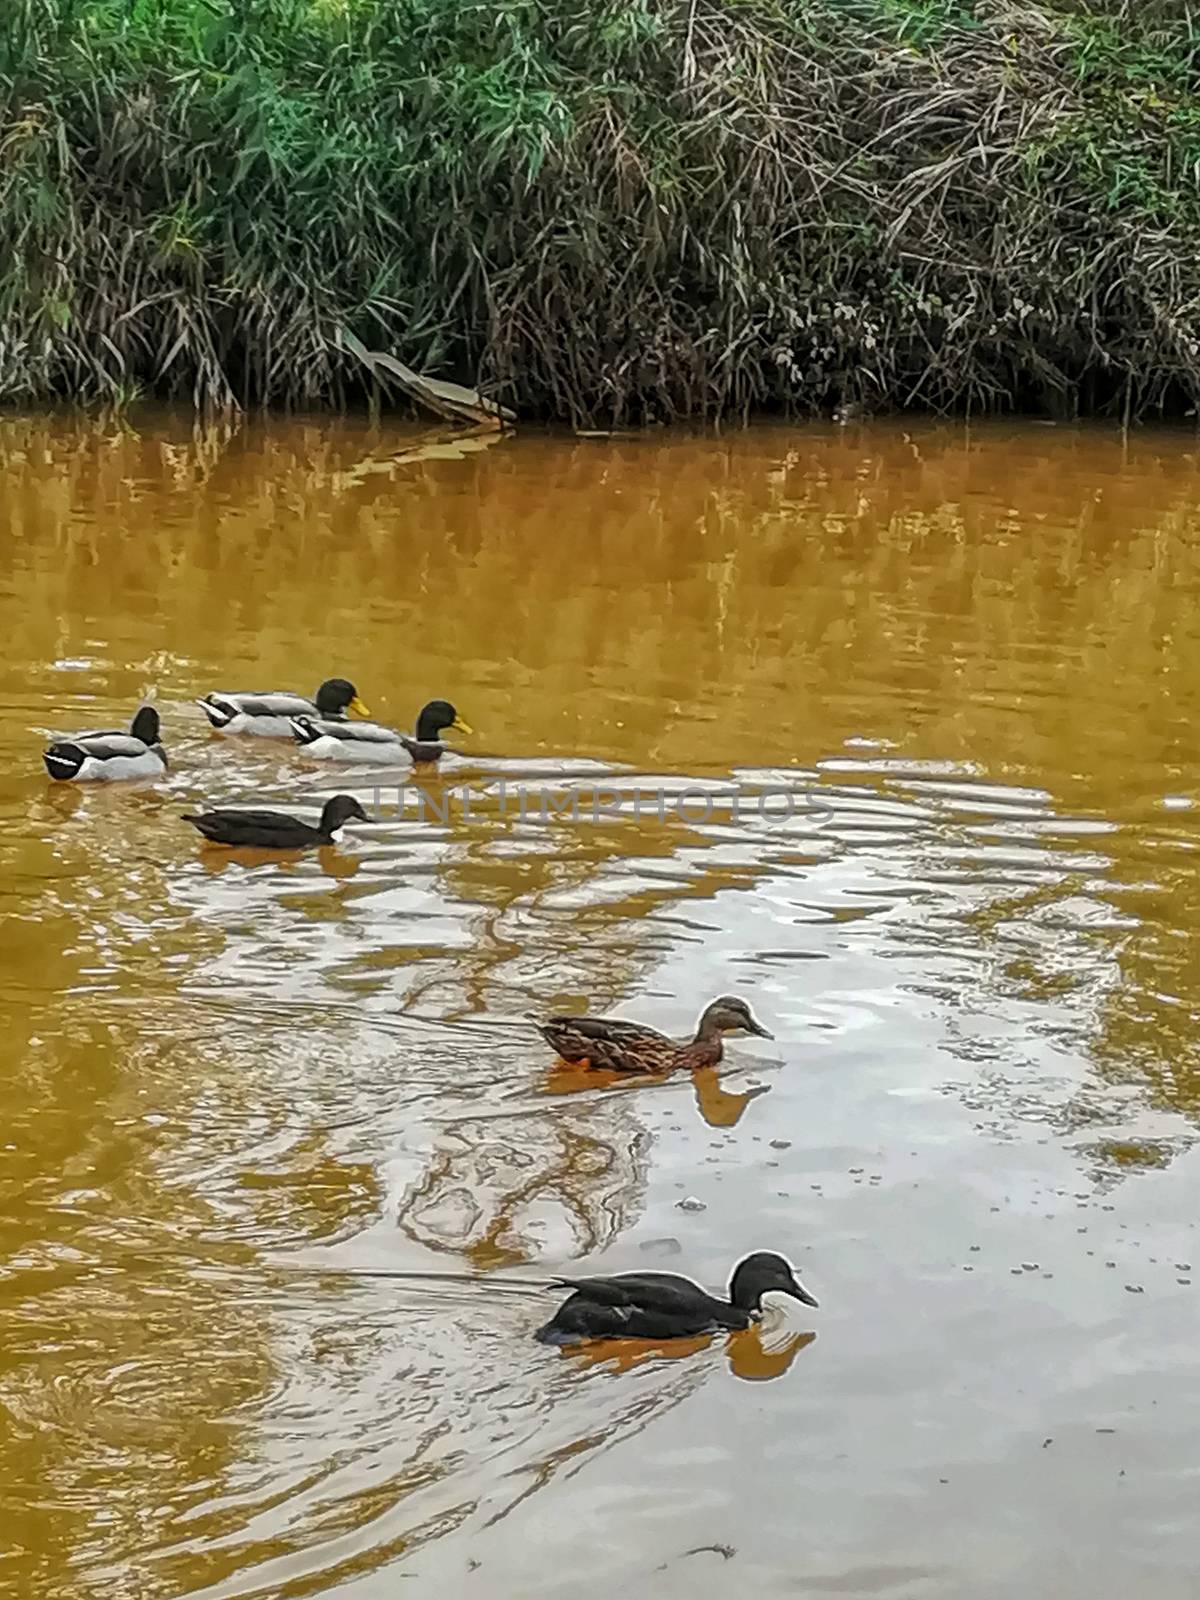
[
  {"x": 631, "y": 1047},
  {"x": 371, "y": 741},
  {"x": 276, "y": 830},
  {"x": 268, "y": 715},
  {"x": 110, "y": 754},
  {"x": 666, "y": 1305}
]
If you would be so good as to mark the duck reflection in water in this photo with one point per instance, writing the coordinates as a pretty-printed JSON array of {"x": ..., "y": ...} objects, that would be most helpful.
[
  {"x": 101, "y": 803},
  {"x": 755, "y": 1354},
  {"x": 332, "y": 862},
  {"x": 761, "y": 1353},
  {"x": 720, "y": 1107}
]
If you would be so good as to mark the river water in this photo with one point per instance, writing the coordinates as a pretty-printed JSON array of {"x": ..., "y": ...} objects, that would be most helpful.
[{"x": 932, "y": 693}]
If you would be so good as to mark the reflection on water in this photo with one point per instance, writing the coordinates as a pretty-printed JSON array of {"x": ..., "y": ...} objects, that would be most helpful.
[
  {"x": 719, "y": 1106},
  {"x": 751, "y": 1354},
  {"x": 969, "y": 661}
]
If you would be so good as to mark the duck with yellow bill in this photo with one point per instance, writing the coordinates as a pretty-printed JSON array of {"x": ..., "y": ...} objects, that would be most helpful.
[
  {"x": 371, "y": 742},
  {"x": 267, "y": 714}
]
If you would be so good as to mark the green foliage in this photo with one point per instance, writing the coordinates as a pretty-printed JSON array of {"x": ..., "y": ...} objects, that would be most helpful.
[{"x": 604, "y": 211}]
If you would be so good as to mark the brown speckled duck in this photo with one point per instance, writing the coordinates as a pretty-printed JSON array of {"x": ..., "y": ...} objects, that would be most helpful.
[{"x": 632, "y": 1047}]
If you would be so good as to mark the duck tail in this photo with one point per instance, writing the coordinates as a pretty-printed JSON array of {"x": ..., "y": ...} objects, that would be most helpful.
[
  {"x": 62, "y": 761},
  {"x": 218, "y": 715}
]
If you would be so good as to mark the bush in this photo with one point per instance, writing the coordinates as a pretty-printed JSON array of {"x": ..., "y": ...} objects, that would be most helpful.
[{"x": 604, "y": 210}]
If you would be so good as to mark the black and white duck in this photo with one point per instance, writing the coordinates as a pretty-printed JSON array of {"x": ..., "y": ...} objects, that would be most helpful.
[
  {"x": 268, "y": 714},
  {"x": 276, "y": 830},
  {"x": 371, "y": 742},
  {"x": 110, "y": 754},
  {"x": 664, "y": 1305}
]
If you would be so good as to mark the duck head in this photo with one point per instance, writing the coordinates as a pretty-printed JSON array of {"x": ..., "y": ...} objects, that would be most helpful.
[
  {"x": 435, "y": 718},
  {"x": 340, "y": 808},
  {"x": 729, "y": 1015},
  {"x": 145, "y": 725},
  {"x": 336, "y": 697},
  {"x": 763, "y": 1273}
]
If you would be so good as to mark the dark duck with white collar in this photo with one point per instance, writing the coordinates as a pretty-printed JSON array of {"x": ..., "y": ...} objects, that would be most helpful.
[
  {"x": 276, "y": 830},
  {"x": 664, "y": 1305}
]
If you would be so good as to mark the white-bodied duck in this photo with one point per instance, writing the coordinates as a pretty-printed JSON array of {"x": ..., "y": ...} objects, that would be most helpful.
[
  {"x": 372, "y": 742},
  {"x": 268, "y": 714},
  {"x": 106, "y": 754}
]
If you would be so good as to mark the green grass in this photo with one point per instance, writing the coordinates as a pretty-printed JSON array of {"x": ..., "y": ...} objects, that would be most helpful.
[{"x": 604, "y": 212}]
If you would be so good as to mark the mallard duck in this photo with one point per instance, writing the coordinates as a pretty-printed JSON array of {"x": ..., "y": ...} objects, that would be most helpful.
[
  {"x": 275, "y": 830},
  {"x": 631, "y": 1047},
  {"x": 664, "y": 1305},
  {"x": 371, "y": 742},
  {"x": 269, "y": 714},
  {"x": 106, "y": 755}
]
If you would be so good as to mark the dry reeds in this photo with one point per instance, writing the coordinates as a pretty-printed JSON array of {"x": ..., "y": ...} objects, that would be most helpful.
[{"x": 604, "y": 212}]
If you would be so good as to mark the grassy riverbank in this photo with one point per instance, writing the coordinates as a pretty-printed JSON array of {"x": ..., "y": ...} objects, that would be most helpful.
[{"x": 605, "y": 212}]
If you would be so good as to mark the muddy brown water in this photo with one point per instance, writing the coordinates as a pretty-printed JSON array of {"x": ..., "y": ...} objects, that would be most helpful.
[{"x": 892, "y": 731}]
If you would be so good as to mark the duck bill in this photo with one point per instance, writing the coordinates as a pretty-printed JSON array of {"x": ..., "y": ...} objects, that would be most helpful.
[
  {"x": 799, "y": 1292},
  {"x": 459, "y": 726},
  {"x": 757, "y": 1028},
  {"x": 359, "y": 709}
]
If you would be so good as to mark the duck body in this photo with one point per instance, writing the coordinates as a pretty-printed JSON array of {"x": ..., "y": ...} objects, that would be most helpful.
[
  {"x": 666, "y": 1305},
  {"x": 371, "y": 743},
  {"x": 618, "y": 1046},
  {"x": 267, "y": 714},
  {"x": 276, "y": 830},
  {"x": 367, "y": 742},
  {"x": 614, "y": 1045},
  {"x": 106, "y": 755}
]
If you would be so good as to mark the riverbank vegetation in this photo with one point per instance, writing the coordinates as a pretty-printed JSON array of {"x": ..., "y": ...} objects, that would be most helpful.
[{"x": 605, "y": 211}]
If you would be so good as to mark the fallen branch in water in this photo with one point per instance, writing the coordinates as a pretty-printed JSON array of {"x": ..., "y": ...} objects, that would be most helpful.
[{"x": 453, "y": 402}]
